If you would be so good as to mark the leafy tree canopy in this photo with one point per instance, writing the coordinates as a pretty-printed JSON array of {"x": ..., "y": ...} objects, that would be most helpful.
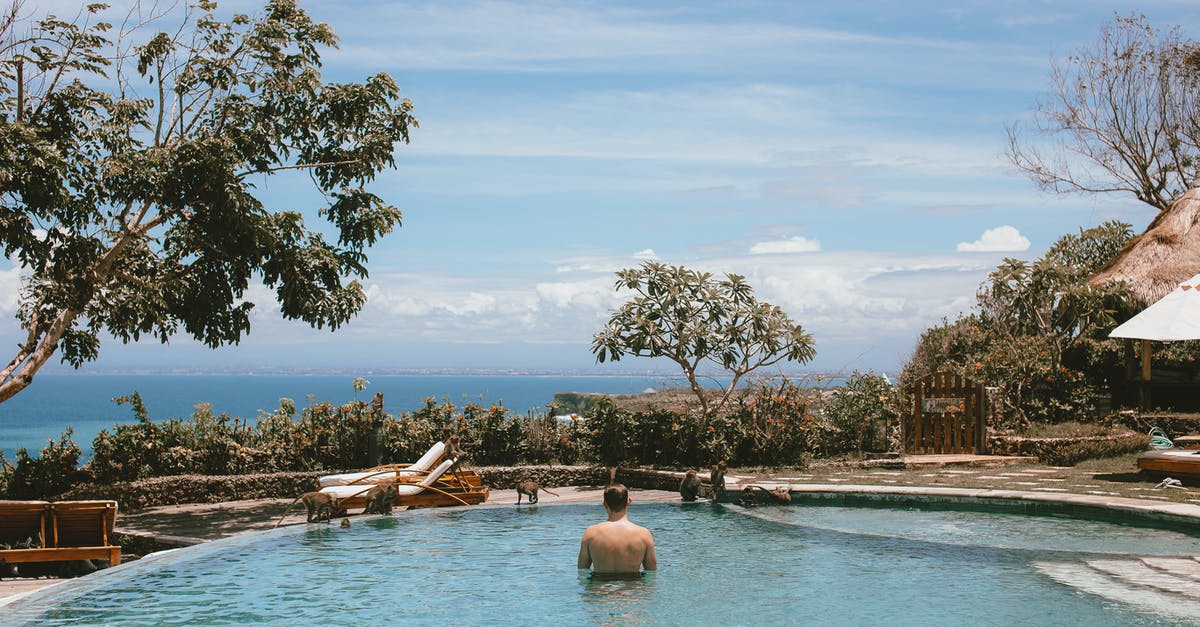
[
  {"x": 693, "y": 319},
  {"x": 1039, "y": 331},
  {"x": 128, "y": 162}
]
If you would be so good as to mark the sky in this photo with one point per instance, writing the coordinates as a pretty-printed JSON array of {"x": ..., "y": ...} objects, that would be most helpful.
[{"x": 846, "y": 157}]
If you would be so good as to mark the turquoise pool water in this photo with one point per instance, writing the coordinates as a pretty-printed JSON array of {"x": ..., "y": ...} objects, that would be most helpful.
[{"x": 508, "y": 565}]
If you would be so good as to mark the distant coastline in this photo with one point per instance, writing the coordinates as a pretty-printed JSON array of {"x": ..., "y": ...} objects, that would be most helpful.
[{"x": 421, "y": 372}]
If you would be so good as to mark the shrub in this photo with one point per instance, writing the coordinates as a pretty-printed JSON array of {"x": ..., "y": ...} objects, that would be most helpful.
[
  {"x": 609, "y": 433},
  {"x": 854, "y": 412},
  {"x": 773, "y": 424},
  {"x": 49, "y": 474}
]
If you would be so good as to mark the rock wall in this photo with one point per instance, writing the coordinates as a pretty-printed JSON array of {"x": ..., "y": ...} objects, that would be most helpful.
[
  {"x": 1069, "y": 451},
  {"x": 136, "y": 495}
]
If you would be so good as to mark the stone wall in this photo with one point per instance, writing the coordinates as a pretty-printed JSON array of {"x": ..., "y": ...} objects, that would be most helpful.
[
  {"x": 1069, "y": 451},
  {"x": 136, "y": 495}
]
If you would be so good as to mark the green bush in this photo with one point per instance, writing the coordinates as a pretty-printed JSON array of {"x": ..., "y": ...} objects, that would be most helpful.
[
  {"x": 772, "y": 424},
  {"x": 49, "y": 474},
  {"x": 608, "y": 434},
  {"x": 853, "y": 412}
]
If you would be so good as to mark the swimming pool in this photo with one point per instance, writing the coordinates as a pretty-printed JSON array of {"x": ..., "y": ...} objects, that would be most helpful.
[{"x": 719, "y": 565}]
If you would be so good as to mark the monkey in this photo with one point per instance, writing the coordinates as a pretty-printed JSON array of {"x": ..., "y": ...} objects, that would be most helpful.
[
  {"x": 612, "y": 475},
  {"x": 452, "y": 451},
  {"x": 778, "y": 496},
  {"x": 345, "y": 523},
  {"x": 530, "y": 489},
  {"x": 320, "y": 506},
  {"x": 690, "y": 487},
  {"x": 380, "y": 499},
  {"x": 717, "y": 477}
]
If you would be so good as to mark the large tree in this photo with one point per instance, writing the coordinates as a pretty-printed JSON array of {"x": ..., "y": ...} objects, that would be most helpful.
[
  {"x": 1123, "y": 116},
  {"x": 129, "y": 161},
  {"x": 694, "y": 319}
]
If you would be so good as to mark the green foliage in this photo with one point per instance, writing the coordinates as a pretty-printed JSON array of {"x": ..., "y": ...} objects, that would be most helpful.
[
  {"x": 853, "y": 412},
  {"x": 772, "y": 425},
  {"x": 1039, "y": 332},
  {"x": 609, "y": 433},
  {"x": 693, "y": 319},
  {"x": 551, "y": 441},
  {"x": 49, "y": 474},
  {"x": 129, "y": 163}
]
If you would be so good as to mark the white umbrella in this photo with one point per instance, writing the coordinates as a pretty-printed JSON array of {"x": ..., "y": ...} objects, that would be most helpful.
[{"x": 1175, "y": 316}]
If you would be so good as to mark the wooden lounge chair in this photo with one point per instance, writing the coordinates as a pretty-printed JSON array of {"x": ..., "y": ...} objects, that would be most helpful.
[
  {"x": 62, "y": 531},
  {"x": 438, "y": 487}
]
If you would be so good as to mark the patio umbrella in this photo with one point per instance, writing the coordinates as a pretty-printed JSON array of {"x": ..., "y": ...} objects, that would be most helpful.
[{"x": 1175, "y": 316}]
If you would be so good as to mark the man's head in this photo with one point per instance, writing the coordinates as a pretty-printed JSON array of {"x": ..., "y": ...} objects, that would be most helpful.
[{"x": 616, "y": 498}]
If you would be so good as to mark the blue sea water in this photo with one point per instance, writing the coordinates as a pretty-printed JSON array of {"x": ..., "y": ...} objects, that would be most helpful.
[{"x": 84, "y": 401}]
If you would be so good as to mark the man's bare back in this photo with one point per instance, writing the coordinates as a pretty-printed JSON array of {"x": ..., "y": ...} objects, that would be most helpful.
[{"x": 617, "y": 545}]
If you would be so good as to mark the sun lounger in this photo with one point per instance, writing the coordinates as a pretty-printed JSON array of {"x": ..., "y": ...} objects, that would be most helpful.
[
  {"x": 62, "y": 531},
  {"x": 342, "y": 492},
  {"x": 389, "y": 472},
  {"x": 436, "y": 488}
]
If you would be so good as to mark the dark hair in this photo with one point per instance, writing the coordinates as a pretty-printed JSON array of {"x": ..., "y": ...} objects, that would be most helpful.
[{"x": 616, "y": 497}]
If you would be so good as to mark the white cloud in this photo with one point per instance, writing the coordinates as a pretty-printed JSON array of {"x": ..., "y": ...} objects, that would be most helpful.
[
  {"x": 797, "y": 244},
  {"x": 1000, "y": 239},
  {"x": 10, "y": 289},
  {"x": 592, "y": 294},
  {"x": 647, "y": 254}
]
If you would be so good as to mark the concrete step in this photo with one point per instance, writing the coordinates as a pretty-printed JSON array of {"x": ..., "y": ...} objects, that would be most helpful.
[
  {"x": 1140, "y": 573},
  {"x": 1150, "y": 600},
  {"x": 1183, "y": 567}
]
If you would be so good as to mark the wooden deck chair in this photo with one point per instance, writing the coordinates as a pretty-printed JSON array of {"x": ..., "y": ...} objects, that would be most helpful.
[
  {"x": 21, "y": 521},
  {"x": 70, "y": 530}
]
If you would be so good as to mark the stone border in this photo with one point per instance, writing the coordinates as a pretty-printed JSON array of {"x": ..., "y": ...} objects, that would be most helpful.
[
  {"x": 215, "y": 489},
  {"x": 1110, "y": 509}
]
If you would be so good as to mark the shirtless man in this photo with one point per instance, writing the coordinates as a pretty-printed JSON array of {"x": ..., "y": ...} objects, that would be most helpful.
[{"x": 617, "y": 546}]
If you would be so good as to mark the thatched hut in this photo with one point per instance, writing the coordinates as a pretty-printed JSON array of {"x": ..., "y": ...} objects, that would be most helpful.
[
  {"x": 1165, "y": 255},
  {"x": 1152, "y": 265}
]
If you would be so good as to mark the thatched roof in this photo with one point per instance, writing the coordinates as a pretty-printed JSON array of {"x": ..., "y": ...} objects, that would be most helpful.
[{"x": 1165, "y": 255}]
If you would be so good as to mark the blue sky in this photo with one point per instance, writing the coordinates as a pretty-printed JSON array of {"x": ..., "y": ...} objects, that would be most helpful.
[{"x": 847, "y": 157}]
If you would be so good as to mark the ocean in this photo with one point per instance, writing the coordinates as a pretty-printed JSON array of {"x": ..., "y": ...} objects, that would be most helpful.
[{"x": 83, "y": 402}]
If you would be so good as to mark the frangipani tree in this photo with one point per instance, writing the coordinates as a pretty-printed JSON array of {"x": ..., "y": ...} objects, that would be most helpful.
[
  {"x": 129, "y": 159},
  {"x": 696, "y": 320}
]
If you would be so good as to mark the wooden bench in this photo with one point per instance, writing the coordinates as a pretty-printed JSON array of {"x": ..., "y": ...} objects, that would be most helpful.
[{"x": 62, "y": 531}]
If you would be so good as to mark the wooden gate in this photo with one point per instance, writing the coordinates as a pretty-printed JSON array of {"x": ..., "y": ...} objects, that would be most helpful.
[{"x": 945, "y": 415}]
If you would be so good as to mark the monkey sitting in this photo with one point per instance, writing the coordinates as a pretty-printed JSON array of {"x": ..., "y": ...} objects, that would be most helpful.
[
  {"x": 690, "y": 487},
  {"x": 530, "y": 489},
  {"x": 453, "y": 451},
  {"x": 380, "y": 499},
  {"x": 717, "y": 477},
  {"x": 320, "y": 507}
]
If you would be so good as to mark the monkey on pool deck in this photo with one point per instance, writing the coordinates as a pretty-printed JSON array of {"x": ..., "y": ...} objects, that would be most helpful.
[
  {"x": 530, "y": 489},
  {"x": 320, "y": 506},
  {"x": 380, "y": 499},
  {"x": 690, "y": 487},
  {"x": 717, "y": 477}
]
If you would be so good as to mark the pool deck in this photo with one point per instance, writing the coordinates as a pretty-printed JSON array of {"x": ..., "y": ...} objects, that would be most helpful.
[{"x": 182, "y": 525}]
